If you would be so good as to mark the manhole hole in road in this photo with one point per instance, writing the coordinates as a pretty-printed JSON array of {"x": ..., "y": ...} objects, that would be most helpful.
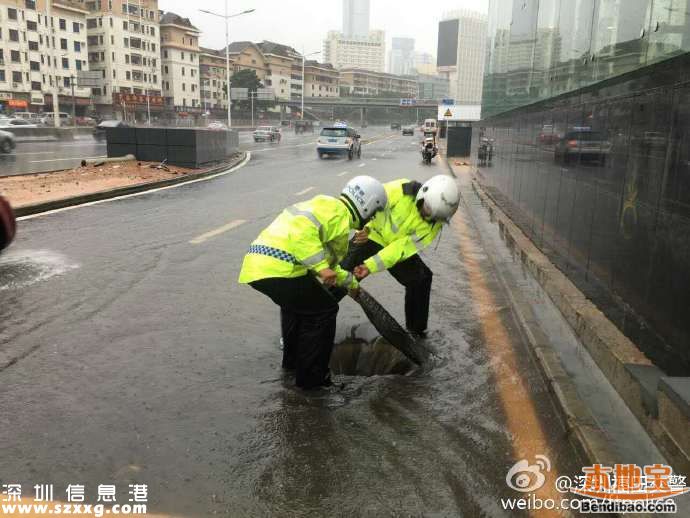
[{"x": 359, "y": 357}]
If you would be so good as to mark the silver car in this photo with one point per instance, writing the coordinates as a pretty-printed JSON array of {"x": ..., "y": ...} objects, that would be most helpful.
[{"x": 7, "y": 142}]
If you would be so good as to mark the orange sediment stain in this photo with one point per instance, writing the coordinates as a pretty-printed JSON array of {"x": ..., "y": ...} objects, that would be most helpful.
[{"x": 521, "y": 415}]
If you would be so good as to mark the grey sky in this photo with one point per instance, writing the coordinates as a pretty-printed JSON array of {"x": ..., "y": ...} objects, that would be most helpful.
[{"x": 304, "y": 23}]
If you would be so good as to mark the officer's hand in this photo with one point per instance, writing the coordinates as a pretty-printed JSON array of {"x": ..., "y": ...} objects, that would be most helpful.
[
  {"x": 361, "y": 272},
  {"x": 328, "y": 277},
  {"x": 361, "y": 236}
]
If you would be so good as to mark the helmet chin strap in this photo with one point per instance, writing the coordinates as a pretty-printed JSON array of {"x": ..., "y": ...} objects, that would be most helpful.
[{"x": 356, "y": 218}]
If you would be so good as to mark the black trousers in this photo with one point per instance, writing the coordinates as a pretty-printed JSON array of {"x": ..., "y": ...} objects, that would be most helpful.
[
  {"x": 307, "y": 320},
  {"x": 411, "y": 273}
]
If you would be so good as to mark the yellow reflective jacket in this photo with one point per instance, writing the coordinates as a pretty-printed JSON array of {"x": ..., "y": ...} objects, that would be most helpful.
[
  {"x": 399, "y": 229},
  {"x": 311, "y": 235}
]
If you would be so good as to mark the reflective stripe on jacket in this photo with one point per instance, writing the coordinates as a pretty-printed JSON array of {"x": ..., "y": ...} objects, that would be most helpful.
[
  {"x": 312, "y": 235},
  {"x": 399, "y": 229}
]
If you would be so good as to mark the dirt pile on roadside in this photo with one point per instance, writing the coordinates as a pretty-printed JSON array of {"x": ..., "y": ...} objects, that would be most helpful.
[{"x": 42, "y": 187}]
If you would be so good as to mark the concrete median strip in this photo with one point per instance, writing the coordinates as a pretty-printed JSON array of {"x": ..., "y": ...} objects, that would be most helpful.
[{"x": 51, "y": 207}]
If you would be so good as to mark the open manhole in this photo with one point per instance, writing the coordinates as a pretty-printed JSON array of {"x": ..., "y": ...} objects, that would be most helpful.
[{"x": 359, "y": 357}]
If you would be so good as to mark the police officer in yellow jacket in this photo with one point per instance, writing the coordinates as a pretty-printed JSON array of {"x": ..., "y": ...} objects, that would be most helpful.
[
  {"x": 392, "y": 239},
  {"x": 307, "y": 240}
]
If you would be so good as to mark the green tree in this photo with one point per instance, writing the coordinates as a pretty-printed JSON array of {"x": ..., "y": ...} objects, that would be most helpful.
[{"x": 247, "y": 78}]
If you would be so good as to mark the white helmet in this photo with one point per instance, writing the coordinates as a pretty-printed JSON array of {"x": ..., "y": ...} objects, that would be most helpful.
[
  {"x": 366, "y": 196},
  {"x": 440, "y": 197}
]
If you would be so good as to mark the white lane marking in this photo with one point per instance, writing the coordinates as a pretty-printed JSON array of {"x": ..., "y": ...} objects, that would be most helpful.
[
  {"x": 361, "y": 165},
  {"x": 284, "y": 147},
  {"x": 22, "y": 153},
  {"x": 218, "y": 231},
  {"x": 343, "y": 173},
  {"x": 305, "y": 191},
  {"x": 98, "y": 202},
  {"x": 65, "y": 159}
]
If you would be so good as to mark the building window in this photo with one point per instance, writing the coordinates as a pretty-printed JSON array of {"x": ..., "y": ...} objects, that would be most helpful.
[
  {"x": 66, "y": 82},
  {"x": 2, "y": 76},
  {"x": 65, "y": 63},
  {"x": 78, "y": 64},
  {"x": 77, "y": 46},
  {"x": 31, "y": 26},
  {"x": 63, "y": 24},
  {"x": 12, "y": 14},
  {"x": 36, "y": 85},
  {"x": 14, "y": 35},
  {"x": 33, "y": 45},
  {"x": 30, "y": 4},
  {"x": 17, "y": 77},
  {"x": 75, "y": 27},
  {"x": 34, "y": 66},
  {"x": 63, "y": 43},
  {"x": 15, "y": 57}
]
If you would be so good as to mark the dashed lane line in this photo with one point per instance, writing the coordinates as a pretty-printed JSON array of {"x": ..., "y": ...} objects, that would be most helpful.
[
  {"x": 218, "y": 231},
  {"x": 305, "y": 191}
]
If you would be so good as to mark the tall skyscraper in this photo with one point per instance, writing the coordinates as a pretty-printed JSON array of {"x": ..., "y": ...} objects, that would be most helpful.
[
  {"x": 356, "y": 46},
  {"x": 461, "y": 51},
  {"x": 401, "y": 60},
  {"x": 356, "y": 18}
]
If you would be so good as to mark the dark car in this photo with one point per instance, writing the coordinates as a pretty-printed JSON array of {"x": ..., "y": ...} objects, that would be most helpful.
[
  {"x": 99, "y": 131},
  {"x": 8, "y": 225},
  {"x": 303, "y": 126},
  {"x": 408, "y": 130},
  {"x": 584, "y": 144},
  {"x": 395, "y": 125}
]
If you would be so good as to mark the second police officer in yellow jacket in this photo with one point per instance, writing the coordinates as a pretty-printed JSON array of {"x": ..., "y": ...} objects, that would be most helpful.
[{"x": 392, "y": 240}]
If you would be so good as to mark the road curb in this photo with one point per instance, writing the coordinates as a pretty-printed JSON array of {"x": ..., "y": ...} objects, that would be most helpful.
[
  {"x": 38, "y": 208},
  {"x": 613, "y": 352}
]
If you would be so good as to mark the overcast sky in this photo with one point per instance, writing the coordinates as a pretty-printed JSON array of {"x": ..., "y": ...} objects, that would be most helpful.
[{"x": 303, "y": 24}]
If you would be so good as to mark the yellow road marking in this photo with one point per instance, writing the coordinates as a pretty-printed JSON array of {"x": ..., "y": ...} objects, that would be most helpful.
[{"x": 217, "y": 232}]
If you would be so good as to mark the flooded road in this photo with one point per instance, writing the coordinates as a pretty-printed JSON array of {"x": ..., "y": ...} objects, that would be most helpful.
[{"x": 139, "y": 359}]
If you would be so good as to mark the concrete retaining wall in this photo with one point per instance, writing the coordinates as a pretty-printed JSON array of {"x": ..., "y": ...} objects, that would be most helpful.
[{"x": 186, "y": 147}]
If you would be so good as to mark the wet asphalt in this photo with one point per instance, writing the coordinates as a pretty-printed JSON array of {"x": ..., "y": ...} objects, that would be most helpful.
[{"x": 129, "y": 354}]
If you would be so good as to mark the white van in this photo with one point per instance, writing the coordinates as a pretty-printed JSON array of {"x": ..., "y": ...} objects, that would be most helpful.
[
  {"x": 430, "y": 126},
  {"x": 65, "y": 119}
]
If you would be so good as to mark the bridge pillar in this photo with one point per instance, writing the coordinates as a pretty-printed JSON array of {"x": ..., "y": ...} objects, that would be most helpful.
[
  {"x": 362, "y": 116},
  {"x": 283, "y": 111}
]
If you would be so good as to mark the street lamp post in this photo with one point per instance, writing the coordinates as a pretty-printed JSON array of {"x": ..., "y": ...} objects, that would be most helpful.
[
  {"x": 227, "y": 17},
  {"x": 304, "y": 79},
  {"x": 74, "y": 103}
]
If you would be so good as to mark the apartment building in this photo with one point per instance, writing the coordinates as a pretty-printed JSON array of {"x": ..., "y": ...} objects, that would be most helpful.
[
  {"x": 213, "y": 79},
  {"x": 42, "y": 49},
  {"x": 368, "y": 53},
  {"x": 180, "y": 64},
  {"x": 283, "y": 69},
  {"x": 124, "y": 44},
  {"x": 247, "y": 55},
  {"x": 320, "y": 80},
  {"x": 365, "y": 83}
]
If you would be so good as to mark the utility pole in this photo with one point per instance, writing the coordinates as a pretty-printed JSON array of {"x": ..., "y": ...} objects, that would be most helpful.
[
  {"x": 51, "y": 55},
  {"x": 74, "y": 103}
]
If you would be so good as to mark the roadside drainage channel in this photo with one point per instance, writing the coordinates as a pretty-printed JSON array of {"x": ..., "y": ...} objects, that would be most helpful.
[{"x": 595, "y": 413}]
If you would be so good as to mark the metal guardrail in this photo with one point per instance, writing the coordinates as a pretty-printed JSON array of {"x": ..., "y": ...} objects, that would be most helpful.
[{"x": 359, "y": 101}]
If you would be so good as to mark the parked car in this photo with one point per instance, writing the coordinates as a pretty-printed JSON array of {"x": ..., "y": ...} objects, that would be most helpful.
[
  {"x": 395, "y": 125},
  {"x": 8, "y": 224},
  {"x": 17, "y": 123},
  {"x": 86, "y": 121},
  {"x": 99, "y": 132},
  {"x": 49, "y": 119},
  {"x": 408, "y": 130},
  {"x": 339, "y": 140},
  {"x": 7, "y": 142},
  {"x": 216, "y": 125},
  {"x": 584, "y": 144},
  {"x": 29, "y": 116},
  {"x": 267, "y": 134}
]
